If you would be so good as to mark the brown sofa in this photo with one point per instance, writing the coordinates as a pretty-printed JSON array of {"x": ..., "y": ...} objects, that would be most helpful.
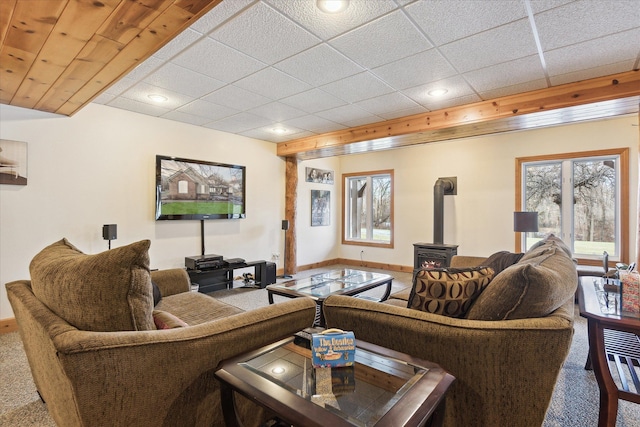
[
  {"x": 88, "y": 327},
  {"x": 506, "y": 354}
]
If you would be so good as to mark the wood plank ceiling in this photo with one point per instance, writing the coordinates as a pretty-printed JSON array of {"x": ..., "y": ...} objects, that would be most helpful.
[{"x": 57, "y": 55}]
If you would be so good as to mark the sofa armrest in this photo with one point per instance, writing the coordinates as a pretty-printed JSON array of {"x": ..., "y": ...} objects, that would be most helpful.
[
  {"x": 171, "y": 281},
  {"x": 505, "y": 370}
]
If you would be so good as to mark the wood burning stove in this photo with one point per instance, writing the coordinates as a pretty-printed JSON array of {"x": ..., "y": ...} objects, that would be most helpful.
[{"x": 437, "y": 254}]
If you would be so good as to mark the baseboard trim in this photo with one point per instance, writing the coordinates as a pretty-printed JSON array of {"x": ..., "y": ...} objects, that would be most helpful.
[
  {"x": 8, "y": 325},
  {"x": 357, "y": 263}
]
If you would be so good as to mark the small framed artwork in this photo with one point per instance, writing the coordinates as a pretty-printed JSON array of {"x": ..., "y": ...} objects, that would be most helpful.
[
  {"x": 13, "y": 162},
  {"x": 320, "y": 207},
  {"x": 319, "y": 175}
]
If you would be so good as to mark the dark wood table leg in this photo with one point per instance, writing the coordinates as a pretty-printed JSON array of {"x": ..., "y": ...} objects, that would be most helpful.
[
  {"x": 228, "y": 406},
  {"x": 600, "y": 363},
  {"x": 270, "y": 296}
]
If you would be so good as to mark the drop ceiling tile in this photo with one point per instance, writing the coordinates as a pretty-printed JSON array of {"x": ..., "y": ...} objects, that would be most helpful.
[
  {"x": 138, "y": 107},
  {"x": 218, "y": 61},
  {"x": 141, "y": 92},
  {"x": 234, "y": 97},
  {"x": 502, "y": 44},
  {"x": 279, "y": 38},
  {"x": 178, "y": 44},
  {"x": 345, "y": 113},
  {"x": 120, "y": 86},
  {"x": 272, "y": 83},
  {"x": 313, "y": 124},
  {"x": 185, "y": 118},
  {"x": 386, "y": 103},
  {"x": 238, "y": 123},
  {"x": 277, "y": 111},
  {"x": 389, "y": 115},
  {"x": 266, "y": 134},
  {"x": 584, "y": 20},
  {"x": 511, "y": 73},
  {"x": 384, "y": 40},
  {"x": 358, "y": 87},
  {"x": 190, "y": 83},
  {"x": 599, "y": 71},
  {"x": 327, "y": 26},
  {"x": 584, "y": 55},
  {"x": 440, "y": 104},
  {"x": 313, "y": 100},
  {"x": 207, "y": 109},
  {"x": 319, "y": 65},
  {"x": 456, "y": 88},
  {"x": 542, "y": 5},
  {"x": 145, "y": 68},
  {"x": 512, "y": 90},
  {"x": 417, "y": 69},
  {"x": 447, "y": 21},
  {"x": 103, "y": 98},
  {"x": 362, "y": 121},
  {"x": 220, "y": 13}
]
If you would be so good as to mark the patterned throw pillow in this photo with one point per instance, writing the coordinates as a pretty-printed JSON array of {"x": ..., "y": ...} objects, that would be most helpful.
[{"x": 448, "y": 291}]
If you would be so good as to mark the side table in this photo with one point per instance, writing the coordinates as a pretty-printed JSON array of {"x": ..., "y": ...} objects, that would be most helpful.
[
  {"x": 613, "y": 337},
  {"x": 383, "y": 388}
]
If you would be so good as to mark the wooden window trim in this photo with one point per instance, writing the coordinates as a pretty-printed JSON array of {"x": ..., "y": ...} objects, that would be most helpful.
[{"x": 389, "y": 245}]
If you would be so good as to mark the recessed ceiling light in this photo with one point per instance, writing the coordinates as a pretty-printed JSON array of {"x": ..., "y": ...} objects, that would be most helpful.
[
  {"x": 332, "y": 6},
  {"x": 157, "y": 98},
  {"x": 279, "y": 130},
  {"x": 437, "y": 92}
]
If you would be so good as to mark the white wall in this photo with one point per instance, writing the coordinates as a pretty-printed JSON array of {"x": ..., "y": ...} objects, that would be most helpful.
[
  {"x": 480, "y": 217},
  {"x": 98, "y": 167}
]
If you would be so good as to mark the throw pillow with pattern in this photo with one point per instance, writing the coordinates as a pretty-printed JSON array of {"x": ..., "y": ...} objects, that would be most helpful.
[{"x": 448, "y": 291}]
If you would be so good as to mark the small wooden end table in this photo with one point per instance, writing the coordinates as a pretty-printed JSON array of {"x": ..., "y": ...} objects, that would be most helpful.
[
  {"x": 613, "y": 337},
  {"x": 383, "y": 388}
]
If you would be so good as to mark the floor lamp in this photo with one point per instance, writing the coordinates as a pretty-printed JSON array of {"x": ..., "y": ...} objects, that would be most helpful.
[
  {"x": 525, "y": 222},
  {"x": 285, "y": 227}
]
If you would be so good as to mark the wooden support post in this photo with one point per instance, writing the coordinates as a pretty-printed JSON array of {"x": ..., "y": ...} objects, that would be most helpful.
[{"x": 291, "y": 201}]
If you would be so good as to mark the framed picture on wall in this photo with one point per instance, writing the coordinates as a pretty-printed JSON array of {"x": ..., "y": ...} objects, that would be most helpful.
[
  {"x": 320, "y": 207},
  {"x": 319, "y": 175},
  {"x": 13, "y": 162}
]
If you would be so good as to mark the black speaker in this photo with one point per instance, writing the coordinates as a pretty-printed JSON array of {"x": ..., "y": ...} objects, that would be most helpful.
[
  {"x": 110, "y": 231},
  {"x": 271, "y": 273},
  {"x": 285, "y": 224}
]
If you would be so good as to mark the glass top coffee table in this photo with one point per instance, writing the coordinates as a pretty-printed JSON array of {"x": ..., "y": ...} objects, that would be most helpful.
[
  {"x": 384, "y": 387},
  {"x": 346, "y": 281}
]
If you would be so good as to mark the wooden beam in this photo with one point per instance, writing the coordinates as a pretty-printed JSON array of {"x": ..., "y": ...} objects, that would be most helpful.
[
  {"x": 393, "y": 133},
  {"x": 291, "y": 202}
]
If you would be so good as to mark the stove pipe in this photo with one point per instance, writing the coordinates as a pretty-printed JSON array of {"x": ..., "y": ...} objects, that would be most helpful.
[{"x": 442, "y": 186}]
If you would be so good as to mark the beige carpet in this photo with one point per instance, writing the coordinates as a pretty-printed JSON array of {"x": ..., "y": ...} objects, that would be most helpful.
[{"x": 574, "y": 404}]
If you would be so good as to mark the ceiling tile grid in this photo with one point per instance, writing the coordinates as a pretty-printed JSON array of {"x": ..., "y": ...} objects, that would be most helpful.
[{"x": 249, "y": 66}]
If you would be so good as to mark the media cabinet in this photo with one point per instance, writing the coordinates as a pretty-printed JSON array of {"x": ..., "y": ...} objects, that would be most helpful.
[{"x": 219, "y": 278}]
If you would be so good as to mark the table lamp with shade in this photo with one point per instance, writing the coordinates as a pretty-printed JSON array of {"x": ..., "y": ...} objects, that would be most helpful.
[{"x": 525, "y": 222}]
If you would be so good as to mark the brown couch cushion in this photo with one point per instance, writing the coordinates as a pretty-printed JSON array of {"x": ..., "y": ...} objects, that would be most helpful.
[
  {"x": 166, "y": 320},
  {"x": 534, "y": 287},
  {"x": 109, "y": 291},
  {"x": 501, "y": 260},
  {"x": 448, "y": 291}
]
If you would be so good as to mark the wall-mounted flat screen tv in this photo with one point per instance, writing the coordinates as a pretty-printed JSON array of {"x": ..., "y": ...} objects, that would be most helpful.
[{"x": 196, "y": 189}]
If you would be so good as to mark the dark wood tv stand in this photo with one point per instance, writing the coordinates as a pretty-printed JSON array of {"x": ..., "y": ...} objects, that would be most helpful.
[{"x": 215, "y": 279}]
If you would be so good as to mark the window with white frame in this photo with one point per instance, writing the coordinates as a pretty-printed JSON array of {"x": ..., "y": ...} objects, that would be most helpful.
[
  {"x": 368, "y": 208},
  {"x": 580, "y": 198}
]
